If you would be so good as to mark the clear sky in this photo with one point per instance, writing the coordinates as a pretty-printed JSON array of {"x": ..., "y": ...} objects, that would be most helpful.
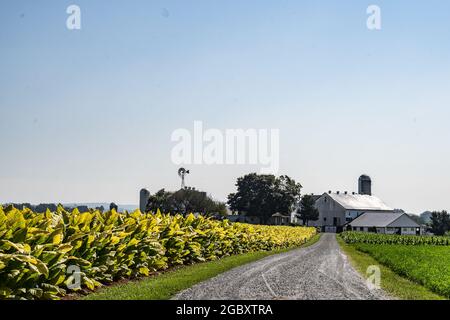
[{"x": 87, "y": 115}]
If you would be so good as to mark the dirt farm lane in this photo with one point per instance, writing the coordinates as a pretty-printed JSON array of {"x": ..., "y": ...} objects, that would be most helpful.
[{"x": 321, "y": 271}]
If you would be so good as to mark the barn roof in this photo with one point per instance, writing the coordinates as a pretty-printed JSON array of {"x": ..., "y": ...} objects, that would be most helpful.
[
  {"x": 359, "y": 202},
  {"x": 380, "y": 219}
]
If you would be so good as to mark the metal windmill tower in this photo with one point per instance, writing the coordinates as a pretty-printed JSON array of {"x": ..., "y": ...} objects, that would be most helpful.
[{"x": 182, "y": 172}]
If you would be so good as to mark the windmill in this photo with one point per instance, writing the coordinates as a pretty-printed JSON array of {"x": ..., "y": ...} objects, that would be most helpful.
[{"x": 182, "y": 172}]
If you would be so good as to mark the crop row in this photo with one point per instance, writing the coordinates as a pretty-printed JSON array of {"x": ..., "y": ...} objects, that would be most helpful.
[
  {"x": 44, "y": 256},
  {"x": 373, "y": 238}
]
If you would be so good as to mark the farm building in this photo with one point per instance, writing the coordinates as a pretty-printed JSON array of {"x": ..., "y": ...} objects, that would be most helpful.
[
  {"x": 280, "y": 219},
  {"x": 339, "y": 208},
  {"x": 385, "y": 222}
]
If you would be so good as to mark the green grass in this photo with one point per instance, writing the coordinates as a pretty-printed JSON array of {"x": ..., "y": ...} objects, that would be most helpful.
[
  {"x": 393, "y": 283},
  {"x": 426, "y": 265},
  {"x": 167, "y": 284}
]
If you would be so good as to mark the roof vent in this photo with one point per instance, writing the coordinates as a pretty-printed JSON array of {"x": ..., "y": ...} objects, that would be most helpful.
[
  {"x": 337, "y": 192},
  {"x": 345, "y": 192}
]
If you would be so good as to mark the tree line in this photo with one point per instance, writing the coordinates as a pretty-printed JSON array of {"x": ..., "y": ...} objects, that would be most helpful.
[{"x": 257, "y": 195}]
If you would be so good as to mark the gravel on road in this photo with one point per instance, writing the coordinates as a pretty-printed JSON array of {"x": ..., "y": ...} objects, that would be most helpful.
[{"x": 321, "y": 271}]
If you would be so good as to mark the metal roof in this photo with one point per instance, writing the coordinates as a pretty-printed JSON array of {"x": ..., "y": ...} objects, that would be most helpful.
[
  {"x": 359, "y": 202},
  {"x": 379, "y": 219}
]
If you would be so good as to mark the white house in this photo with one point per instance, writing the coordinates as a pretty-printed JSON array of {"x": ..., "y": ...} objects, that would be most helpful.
[{"x": 385, "y": 222}]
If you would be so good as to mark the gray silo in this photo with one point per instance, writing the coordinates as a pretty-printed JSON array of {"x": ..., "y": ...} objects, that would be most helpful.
[
  {"x": 365, "y": 185},
  {"x": 144, "y": 195}
]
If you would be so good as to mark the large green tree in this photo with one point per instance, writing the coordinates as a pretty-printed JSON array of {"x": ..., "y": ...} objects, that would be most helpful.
[
  {"x": 185, "y": 201},
  {"x": 307, "y": 210},
  {"x": 263, "y": 195},
  {"x": 440, "y": 222}
]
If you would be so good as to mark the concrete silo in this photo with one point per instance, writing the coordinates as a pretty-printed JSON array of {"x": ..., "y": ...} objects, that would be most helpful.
[
  {"x": 144, "y": 195},
  {"x": 365, "y": 185}
]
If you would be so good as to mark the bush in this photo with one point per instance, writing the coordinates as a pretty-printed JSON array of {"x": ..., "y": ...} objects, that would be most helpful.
[{"x": 36, "y": 250}]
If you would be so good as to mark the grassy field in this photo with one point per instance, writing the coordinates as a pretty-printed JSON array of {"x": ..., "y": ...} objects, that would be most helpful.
[
  {"x": 427, "y": 265},
  {"x": 166, "y": 285},
  {"x": 406, "y": 271}
]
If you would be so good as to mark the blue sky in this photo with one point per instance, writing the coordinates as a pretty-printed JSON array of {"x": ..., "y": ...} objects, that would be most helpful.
[{"x": 87, "y": 115}]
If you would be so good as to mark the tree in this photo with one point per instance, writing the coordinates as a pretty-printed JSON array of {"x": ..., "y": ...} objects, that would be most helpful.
[
  {"x": 440, "y": 222},
  {"x": 417, "y": 219},
  {"x": 307, "y": 211},
  {"x": 113, "y": 206},
  {"x": 264, "y": 195},
  {"x": 185, "y": 201}
]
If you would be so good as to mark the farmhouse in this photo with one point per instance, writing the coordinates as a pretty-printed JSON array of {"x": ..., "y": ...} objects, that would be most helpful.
[{"x": 385, "y": 222}]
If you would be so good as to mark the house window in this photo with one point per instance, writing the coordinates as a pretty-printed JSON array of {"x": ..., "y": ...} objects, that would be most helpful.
[{"x": 361, "y": 228}]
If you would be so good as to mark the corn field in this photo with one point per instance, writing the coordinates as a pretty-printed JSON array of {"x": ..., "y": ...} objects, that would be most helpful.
[
  {"x": 373, "y": 238},
  {"x": 38, "y": 252}
]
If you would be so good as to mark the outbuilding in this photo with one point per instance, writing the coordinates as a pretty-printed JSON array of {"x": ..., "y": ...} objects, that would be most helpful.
[
  {"x": 384, "y": 222},
  {"x": 279, "y": 219}
]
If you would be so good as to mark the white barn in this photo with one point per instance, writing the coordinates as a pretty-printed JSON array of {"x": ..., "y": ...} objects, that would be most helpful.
[{"x": 337, "y": 209}]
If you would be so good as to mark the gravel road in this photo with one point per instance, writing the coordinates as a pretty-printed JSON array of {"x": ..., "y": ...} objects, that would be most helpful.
[{"x": 320, "y": 271}]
